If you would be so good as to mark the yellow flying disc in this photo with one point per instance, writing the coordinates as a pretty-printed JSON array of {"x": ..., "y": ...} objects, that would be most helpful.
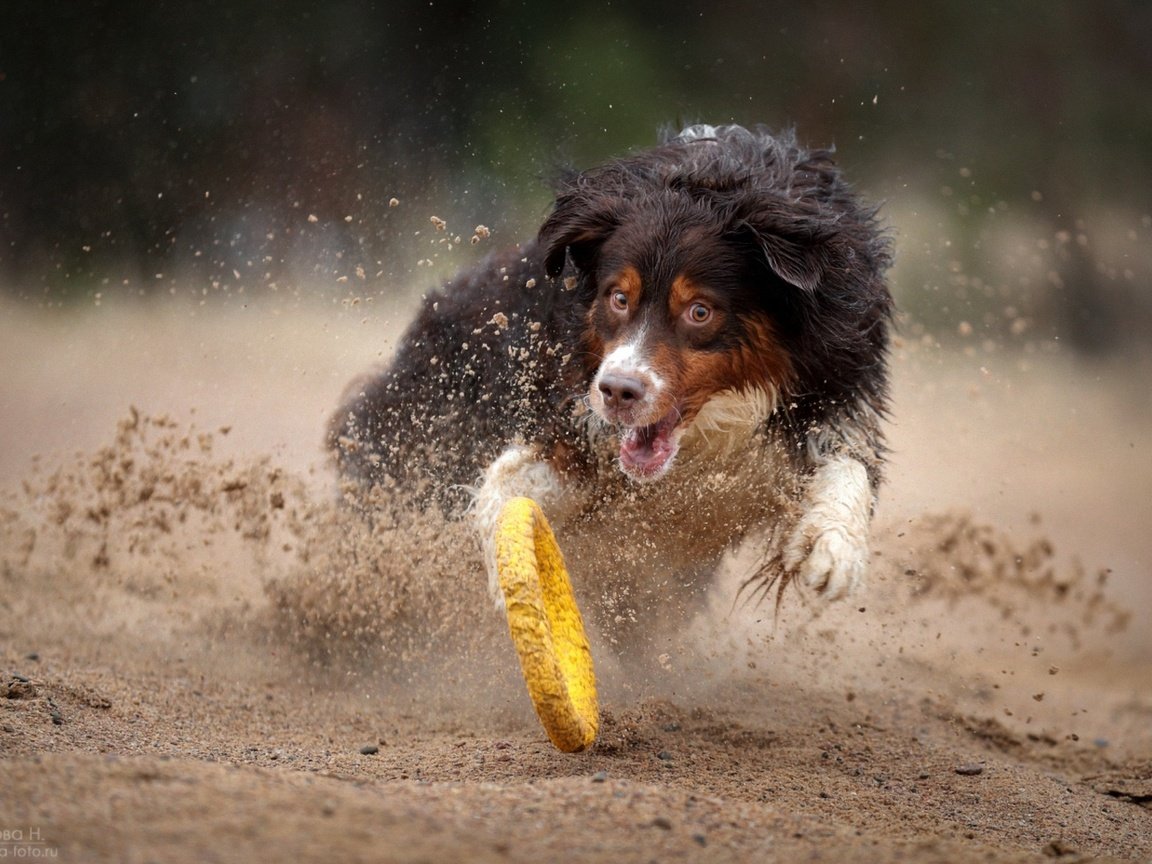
[{"x": 546, "y": 626}]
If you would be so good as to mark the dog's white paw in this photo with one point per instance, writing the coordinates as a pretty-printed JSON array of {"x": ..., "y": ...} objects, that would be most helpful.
[
  {"x": 517, "y": 471},
  {"x": 828, "y": 551},
  {"x": 829, "y": 559}
]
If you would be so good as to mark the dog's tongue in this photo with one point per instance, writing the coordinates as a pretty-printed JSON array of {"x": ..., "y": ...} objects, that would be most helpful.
[{"x": 645, "y": 450}]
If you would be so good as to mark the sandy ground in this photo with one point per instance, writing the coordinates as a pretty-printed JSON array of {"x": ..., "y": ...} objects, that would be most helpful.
[{"x": 201, "y": 662}]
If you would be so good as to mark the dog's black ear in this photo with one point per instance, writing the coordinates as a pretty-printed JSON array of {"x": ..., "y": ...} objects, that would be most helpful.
[
  {"x": 577, "y": 226},
  {"x": 797, "y": 263},
  {"x": 790, "y": 243},
  {"x": 800, "y": 257}
]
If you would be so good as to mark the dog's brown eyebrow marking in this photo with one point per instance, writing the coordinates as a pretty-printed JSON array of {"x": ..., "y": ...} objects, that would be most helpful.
[
  {"x": 683, "y": 292},
  {"x": 628, "y": 280}
]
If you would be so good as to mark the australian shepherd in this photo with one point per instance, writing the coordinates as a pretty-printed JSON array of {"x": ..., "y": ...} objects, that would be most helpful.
[{"x": 690, "y": 356}]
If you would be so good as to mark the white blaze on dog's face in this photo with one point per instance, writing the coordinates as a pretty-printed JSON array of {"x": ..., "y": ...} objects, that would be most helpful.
[{"x": 672, "y": 337}]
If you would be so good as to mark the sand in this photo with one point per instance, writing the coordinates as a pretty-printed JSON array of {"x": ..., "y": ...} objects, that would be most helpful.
[{"x": 203, "y": 659}]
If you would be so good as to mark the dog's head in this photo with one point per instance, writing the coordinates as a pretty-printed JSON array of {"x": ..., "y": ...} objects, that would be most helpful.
[{"x": 700, "y": 264}]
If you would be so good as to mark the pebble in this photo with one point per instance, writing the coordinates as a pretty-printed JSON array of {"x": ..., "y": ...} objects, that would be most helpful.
[
  {"x": 600, "y": 777},
  {"x": 665, "y": 756},
  {"x": 662, "y": 822},
  {"x": 369, "y": 750},
  {"x": 970, "y": 770}
]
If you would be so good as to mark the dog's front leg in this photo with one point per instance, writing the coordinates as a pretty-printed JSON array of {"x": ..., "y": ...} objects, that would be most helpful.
[
  {"x": 518, "y": 471},
  {"x": 828, "y": 550}
]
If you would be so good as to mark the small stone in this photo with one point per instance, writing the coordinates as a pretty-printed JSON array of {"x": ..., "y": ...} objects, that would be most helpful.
[
  {"x": 665, "y": 756},
  {"x": 7, "y": 728},
  {"x": 662, "y": 822},
  {"x": 600, "y": 777},
  {"x": 369, "y": 750},
  {"x": 970, "y": 770}
]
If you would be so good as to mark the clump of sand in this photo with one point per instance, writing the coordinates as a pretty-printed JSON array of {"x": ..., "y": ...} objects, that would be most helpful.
[{"x": 953, "y": 556}]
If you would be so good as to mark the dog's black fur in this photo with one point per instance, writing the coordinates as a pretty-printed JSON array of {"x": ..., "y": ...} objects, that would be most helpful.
[
  {"x": 470, "y": 378},
  {"x": 462, "y": 386},
  {"x": 792, "y": 268}
]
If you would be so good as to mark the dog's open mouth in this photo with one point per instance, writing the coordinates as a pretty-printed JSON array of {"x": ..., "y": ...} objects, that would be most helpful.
[{"x": 646, "y": 451}]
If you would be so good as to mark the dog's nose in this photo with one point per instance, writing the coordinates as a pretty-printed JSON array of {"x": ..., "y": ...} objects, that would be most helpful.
[{"x": 621, "y": 391}]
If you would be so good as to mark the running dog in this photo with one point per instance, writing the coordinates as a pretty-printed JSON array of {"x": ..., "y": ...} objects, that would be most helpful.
[{"x": 690, "y": 355}]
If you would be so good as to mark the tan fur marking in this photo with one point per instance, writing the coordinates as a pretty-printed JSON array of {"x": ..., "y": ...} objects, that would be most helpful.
[
  {"x": 683, "y": 292},
  {"x": 695, "y": 376},
  {"x": 628, "y": 280}
]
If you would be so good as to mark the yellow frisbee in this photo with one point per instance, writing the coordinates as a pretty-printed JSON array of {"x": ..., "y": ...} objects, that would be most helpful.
[{"x": 546, "y": 626}]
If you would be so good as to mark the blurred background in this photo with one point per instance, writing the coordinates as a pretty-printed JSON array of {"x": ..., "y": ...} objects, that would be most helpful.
[{"x": 211, "y": 148}]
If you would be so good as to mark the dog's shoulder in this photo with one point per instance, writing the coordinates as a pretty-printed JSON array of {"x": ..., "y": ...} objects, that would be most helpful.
[{"x": 481, "y": 365}]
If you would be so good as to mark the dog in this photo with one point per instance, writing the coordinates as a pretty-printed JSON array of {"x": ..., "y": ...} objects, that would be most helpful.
[{"x": 690, "y": 356}]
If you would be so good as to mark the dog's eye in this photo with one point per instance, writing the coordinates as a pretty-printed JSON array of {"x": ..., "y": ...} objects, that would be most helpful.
[
  {"x": 698, "y": 313},
  {"x": 619, "y": 301}
]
